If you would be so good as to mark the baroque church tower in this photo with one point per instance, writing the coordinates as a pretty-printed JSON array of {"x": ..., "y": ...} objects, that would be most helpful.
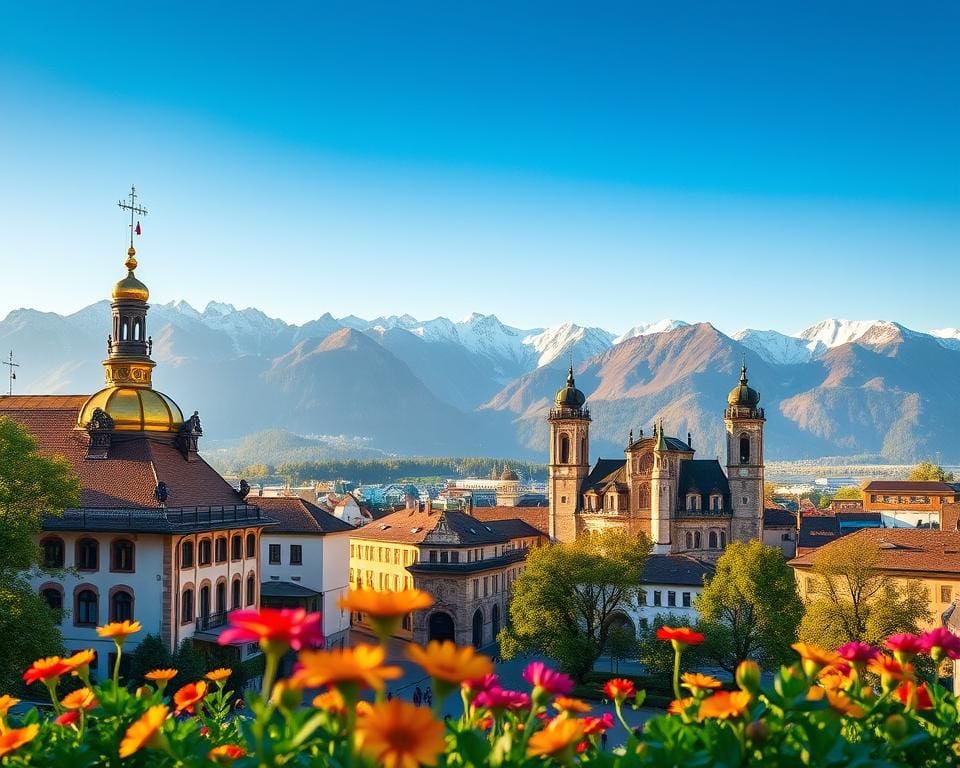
[
  {"x": 569, "y": 459},
  {"x": 744, "y": 424}
]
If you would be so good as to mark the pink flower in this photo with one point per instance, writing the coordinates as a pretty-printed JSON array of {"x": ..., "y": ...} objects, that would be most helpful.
[
  {"x": 539, "y": 675},
  {"x": 484, "y": 683},
  {"x": 857, "y": 652},
  {"x": 905, "y": 643},
  {"x": 500, "y": 698},
  {"x": 278, "y": 628},
  {"x": 941, "y": 642},
  {"x": 592, "y": 725}
]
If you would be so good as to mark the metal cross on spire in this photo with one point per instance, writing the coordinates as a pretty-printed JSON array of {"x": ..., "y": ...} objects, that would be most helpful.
[
  {"x": 134, "y": 211},
  {"x": 12, "y": 374}
]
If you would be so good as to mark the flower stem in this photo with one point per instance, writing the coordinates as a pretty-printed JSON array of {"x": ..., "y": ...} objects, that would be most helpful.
[
  {"x": 116, "y": 664},
  {"x": 676, "y": 672},
  {"x": 269, "y": 673}
]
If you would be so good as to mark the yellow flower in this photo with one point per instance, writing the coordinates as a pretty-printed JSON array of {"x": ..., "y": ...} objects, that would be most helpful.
[
  {"x": 725, "y": 704},
  {"x": 7, "y": 703},
  {"x": 82, "y": 698},
  {"x": 361, "y": 665},
  {"x": 218, "y": 675},
  {"x": 396, "y": 734},
  {"x": 146, "y": 732},
  {"x": 815, "y": 658},
  {"x": 330, "y": 701},
  {"x": 567, "y": 704},
  {"x": 560, "y": 735},
  {"x": 165, "y": 675},
  {"x": 80, "y": 662},
  {"x": 16, "y": 738},
  {"x": 119, "y": 631},
  {"x": 697, "y": 682},
  {"x": 445, "y": 661}
]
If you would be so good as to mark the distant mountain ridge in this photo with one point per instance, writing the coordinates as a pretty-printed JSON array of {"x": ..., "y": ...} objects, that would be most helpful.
[{"x": 477, "y": 386}]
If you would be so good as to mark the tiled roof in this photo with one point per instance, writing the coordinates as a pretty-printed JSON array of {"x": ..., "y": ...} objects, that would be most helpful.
[
  {"x": 817, "y": 530},
  {"x": 703, "y": 476},
  {"x": 286, "y": 589},
  {"x": 537, "y": 517},
  {"x": 673, "y": 443},
  {"x": 915, "y": 550},
  {"x": 675, "y": 569},
  {"x": 135, "y": 464},
  {"x": 907, "y": 486},
  {"x": 413, "y": 527},
  {"x": 603, "y": 472},
  {"x": 296, "y": 515},
  {"x": 514, "y": 528},
  {"x": 779, "y": 518}
]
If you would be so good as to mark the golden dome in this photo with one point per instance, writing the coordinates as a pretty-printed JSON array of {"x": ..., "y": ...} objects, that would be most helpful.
[
  {"x": 134, "y": 409},
  {"x": 130, "y": 287}
]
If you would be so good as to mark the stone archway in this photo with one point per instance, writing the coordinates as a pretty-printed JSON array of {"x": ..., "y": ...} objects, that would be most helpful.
[
  {"x": 620, "y": 622},
  {"x": 478, "y": 628},
  {"x": 495, "y": 620},
  {"x": 441, "y": 626}
]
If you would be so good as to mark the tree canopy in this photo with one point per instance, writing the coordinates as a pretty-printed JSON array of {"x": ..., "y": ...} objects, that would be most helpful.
[
  {"x": 927, "y": 470},
  {"x": 570, "y": 599},
  {"x": 750, "y": 608},
  {"x": 852, "y": 599}
]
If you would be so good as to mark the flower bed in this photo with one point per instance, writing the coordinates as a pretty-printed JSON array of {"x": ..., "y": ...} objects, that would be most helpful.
[{"x": 856, "y": 706}]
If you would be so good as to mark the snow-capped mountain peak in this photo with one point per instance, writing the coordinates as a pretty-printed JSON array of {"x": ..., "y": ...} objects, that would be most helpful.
[
  {"x": 556, "y": 342},
  {"x": 646, "y": 329}
]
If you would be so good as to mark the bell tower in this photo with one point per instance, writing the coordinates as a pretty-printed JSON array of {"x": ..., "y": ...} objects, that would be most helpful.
[
  {"x": 744, "y": 421},
  {"x": 569, "y": 465}
]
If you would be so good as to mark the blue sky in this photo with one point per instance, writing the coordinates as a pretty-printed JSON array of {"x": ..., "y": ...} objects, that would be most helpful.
[{"x": 751, "y": 164}]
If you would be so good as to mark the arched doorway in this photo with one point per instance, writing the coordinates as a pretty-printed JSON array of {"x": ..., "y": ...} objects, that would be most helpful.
[
  {"x": 478, "y": 628},
  {"x": 441, "y": 626},
  {"x": 621, "y": 623},
  {"x": 495, "y": 620}
]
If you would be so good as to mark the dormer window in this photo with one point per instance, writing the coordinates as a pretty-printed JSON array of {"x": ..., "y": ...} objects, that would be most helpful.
[
  {"x": 693, "y": 502},
  {"x": 716, "y": 502}
]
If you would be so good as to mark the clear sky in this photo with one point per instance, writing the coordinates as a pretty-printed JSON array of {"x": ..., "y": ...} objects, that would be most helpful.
[{"x": 761, "y": 164}]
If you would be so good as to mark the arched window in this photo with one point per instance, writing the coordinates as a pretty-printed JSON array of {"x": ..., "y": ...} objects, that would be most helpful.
[
  {"x": 186, "y": 606},
  {"x": 564, "y": 448},
  {"x": 204, "y": 607},
  {"x": 236, "y": 547},
  {"x": 221, "y": 549},
  {"x": 204, "y": 552},
  {"x": 723, "y": 540},
  {"x": 121, "y": 606},
  {"x": 712, "y": 540},
  {"x": 478, "y": 628},
  {"x": 53, "y": 597},
  {"x": 235, "y": 593},
  {"x": 251, "y": 545},
  {"x": 87, "y": 613},
  {"x": 251, "y": 590},
  {"x": 121, "y": 556},
  {"x": 697, "y": 540},
  {"x": 689, "y": 540},
  {"x": 125, "y": 329},
  {"x": 744, "y": 449},
  {"x": 221, "y": 597},
  {"x": 52, "y": 547},
  {"x": 186, "y": 554},
  {"x": 88, "y": 554}
]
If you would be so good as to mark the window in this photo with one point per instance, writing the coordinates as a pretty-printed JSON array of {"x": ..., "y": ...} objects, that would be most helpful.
[
  {"x": 433, "y": 556},
  {"x": 204, "y": 608},
  {"x": 121, "y": 557},
  {"x": 222, "y": 595},
  {"x": 274, "y": 554},
  {"x": 697, "y": 540},
  {"x": 296, "y": 554},
  {"x": 251, "y": 545},
  {"x": 564, "y": 448},
  {"x": 656, "y": 597},
  {"x": 52, "y": 552},
  {"x": 251, "y": 590},
  {"x": 236, "y": 547},
  {"x": 712, "y": 540},
  {"x": 221, "y": 549},
  {"x": 186, "y": 554},
  {"x": 87, "y": 613},
  {"x": 716, "y": 503},
  {"x": 744, "y": 449},
  {"x": 811, "y": 586},
  {"x": 642, "y": 597},
  {"x": 686, "y": 599},
  {"x": 53, "y": 597},
  {"x": 121, "y": 606},
  {"x": 946, "y": 594},
  {"x": 454, "y": 557},
  {"x": 689, "y": 539},
  {"x": 476, "y": 588},
  {"x": 444, "y": 557},
  {"x": 88, "y": 552},
  {"x": 723, "y": 539},
  {"x": 672, "y": 599},
  {"x": 693, "y": 502},
  {"x": 186, "y": 606},
  {"x": 204, "y": 552},
  {"x": 486, "y": 586}
]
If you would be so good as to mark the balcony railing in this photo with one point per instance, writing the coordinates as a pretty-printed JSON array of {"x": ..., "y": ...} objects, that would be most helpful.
[
  {"x": 212, "y": 621},
  {"x": 158, "y": 520}
]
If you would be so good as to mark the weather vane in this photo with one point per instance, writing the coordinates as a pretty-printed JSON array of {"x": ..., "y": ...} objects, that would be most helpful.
[
  {"x": 135, "y": 210},
  {"x": 13, "y": 374}
]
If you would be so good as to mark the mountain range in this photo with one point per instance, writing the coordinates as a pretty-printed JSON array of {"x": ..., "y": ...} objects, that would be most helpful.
[{"x": 480, "y": 387}]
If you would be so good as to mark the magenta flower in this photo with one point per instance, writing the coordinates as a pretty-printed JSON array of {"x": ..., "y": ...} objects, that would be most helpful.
[
  {"x": 500, "y": 699},
  {"x": 857, "y": 652},
  {"x": 539, "y": 675},
  {"x": 905, "y": 643},
  {"x": 592, "y": 725},
  {"x": 941, "y": 643},
  {"x": 484, "y": 683},
  {"x": 275, "y": 628}
]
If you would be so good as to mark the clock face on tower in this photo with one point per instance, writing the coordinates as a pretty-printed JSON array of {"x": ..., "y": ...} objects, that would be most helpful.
[{"x": 744, "y": 472}]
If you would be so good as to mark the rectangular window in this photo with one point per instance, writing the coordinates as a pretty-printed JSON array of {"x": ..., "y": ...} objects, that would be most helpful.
[
  {"x": 296, "y": 554},
  {"x": 221, "y": 549},
  {"x": 486, "y": 586},
  {"x": 433, "y": 556},
  {"x": 274, "y": 554},
  {"x": 444, "y": 557},
  {"x": 496, "y": 584},
  {"x": 642, "y": 596},
  {"x": 686, "y": 599},
  {"x": 811, "y": 586},
  {"x": 946, "y": 594},
  {"x": 656, "y": 597},
  {"x": 672, "y": 599},
  {"x": 476, "y": 588},
  {"x": 454, "y": 557}
]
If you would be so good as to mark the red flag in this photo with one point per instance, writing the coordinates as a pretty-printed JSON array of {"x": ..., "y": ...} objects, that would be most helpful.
[{"x": 137, "y": 230}]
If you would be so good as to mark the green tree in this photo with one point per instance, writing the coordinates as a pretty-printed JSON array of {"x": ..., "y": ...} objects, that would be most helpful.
[
  {"x": 657, "y": 655},
  {"x": 750, "y": 608},
  {"x": 850, "y": 598},
  {"x": 570, "y": 596},
  {"x": 927, "y": 470},
  {"x": 151, "y": 653},
  {"x": 849, "y": 492}
]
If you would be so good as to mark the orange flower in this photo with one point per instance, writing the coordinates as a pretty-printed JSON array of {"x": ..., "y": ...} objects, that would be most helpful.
[
  {"x": 16, "y": 738},
  {"x": 680, "y": 706},
  {"x": 619, "y": 689},
  {"x": 363, "y": 708},
  {"x": 843, "y": 704},
  {"x": 361, "y": 665},
  {"x": 6, "y": 704},
  {"x": 696, "y": 682},
  {"x": 161, "y": 675},
  {"x": 189, "y": 696},
  {"x": 119, "y": 631},
  {"x": 890, "y": 670},
  {"x": 446, "y": 662},
  {"x": 226, "y": 753},
  {"x": 725, "y": 704},
  {"x": 385, "y": 609},
  {"x": 832, "y": 679},
  {"x": 48, "y": 669},
  {"x": 82, "y": 698},
  {"x": 146, "y": 732},
  {"x": 683, "y": 636},
  {"x": 815, "y": 658},
  {"x": 396, "y": 734},
  {"x": 218, "y": 675},
  {"x": 558, "y": 737},
  {"x": 330, "y": 701},
  {"x": 567, "y": 704},
  {"x": 80, "y": 663}
]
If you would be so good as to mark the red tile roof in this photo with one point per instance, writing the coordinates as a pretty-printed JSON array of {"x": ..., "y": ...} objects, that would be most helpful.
[
  {"x": 906, "y": 486},
  {"x": 538, "y": 517},
  {"x": 296, "y": 515},
  {"x": 134, "y": 466},
  {"x": 413, "y": 527},
  {"x": 914, "y": 550}
]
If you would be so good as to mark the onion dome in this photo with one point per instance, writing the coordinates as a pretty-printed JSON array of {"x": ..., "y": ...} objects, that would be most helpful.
[
  {"x": 743, "y": 394},
  {"x": 570, "y": 396},
  {"x": 130, "y": 287},
  {"x": 509, "y": 474},
  {"x": 134, "y": 409}
]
